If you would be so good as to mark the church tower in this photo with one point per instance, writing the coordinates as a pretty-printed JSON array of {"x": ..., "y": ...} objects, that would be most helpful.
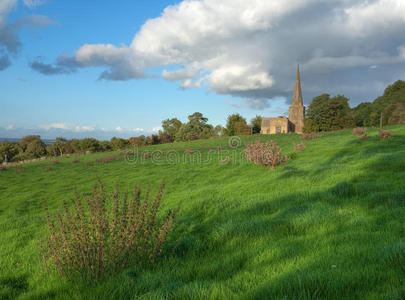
[{"x": 297, "y": 111}]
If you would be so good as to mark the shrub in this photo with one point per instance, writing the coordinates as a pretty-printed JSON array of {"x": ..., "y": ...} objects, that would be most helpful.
[
  {"x": 309, "y": 136},
  {"x": 54, "y": 162},
  {"x": 189, "y": 151},
  {"x": 147, "y": 155},
  {"x": 102, "y": 235},
  {"x": 219, "y": 147},
  {"x": 75, "y": 161},
  {"x": 358, "y": 131},
  {"x": 107, "y": 159},
  {"x": 87, "y": 164},
  {"x": 299, "y": 147},
  {"x": 19, "y": 170},
  {"x": 266, "y": 155},
  {"x": 2, "y": 168},
  {"x": 48, "y": 168},
  {"x": 384, "y": 134}
]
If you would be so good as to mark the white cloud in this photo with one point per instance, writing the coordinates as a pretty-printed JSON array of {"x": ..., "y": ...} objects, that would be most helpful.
[
  {"x": 34, "y": 3},
  {"x": 84, "y": 128},
  {"x": 10, "y": 127},
  {"x": 138, "y": 129},
  {"x": 64, "y": 126},
  {"x": 251, "y": 48},
  {"x": 119, "y": 129},
  {"x": 156, "y": 129}
]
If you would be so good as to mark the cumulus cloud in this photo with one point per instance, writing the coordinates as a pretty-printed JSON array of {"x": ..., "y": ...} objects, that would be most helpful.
[
  {"x": 250, "y": 49},
  {"x": 10, "y": 43},
  {"x": 10, "y": 127},
  {"x": 56, "y": 126},
  {"x": 34, "y": 3}
]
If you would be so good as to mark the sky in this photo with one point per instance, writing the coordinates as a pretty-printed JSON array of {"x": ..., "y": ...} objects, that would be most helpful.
[{"x": 118, "y": 68}]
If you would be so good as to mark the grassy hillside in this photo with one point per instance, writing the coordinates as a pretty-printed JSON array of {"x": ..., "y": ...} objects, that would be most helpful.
[{"x": 329, "y": 224}]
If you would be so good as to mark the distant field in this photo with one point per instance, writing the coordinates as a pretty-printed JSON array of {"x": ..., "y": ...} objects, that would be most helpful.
[{"x": 329, "y": 224}]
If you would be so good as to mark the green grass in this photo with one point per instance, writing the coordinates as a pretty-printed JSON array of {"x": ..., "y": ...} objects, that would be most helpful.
[{"x": 329, "y": 224}]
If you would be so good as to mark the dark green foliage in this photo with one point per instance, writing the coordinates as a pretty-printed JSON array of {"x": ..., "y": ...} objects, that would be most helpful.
[
  {"x": 196, "y": 128},
  {"x": 8, "y": 150},
  {"x": 328, "y": 114},
  {"x": 236, "y": 125},
  {"x": 35, "y": 149},
  {"x": 118, "y": 143},
  {"x": 361, "y": 114},
  {"x": 170, "y": 128},
  {"x": 390, "y": 105},
  {"x": 104, "y": 234},
  {"x": 256, "y": 124}
]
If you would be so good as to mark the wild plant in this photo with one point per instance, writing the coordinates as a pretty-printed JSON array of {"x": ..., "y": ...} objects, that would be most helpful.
[
  {"x": 359, "y": 131},
  {"x": 309, "y": 136},
  {"x": 103, "y": 234},
  {"x": 299, "y": 147},
  {"x": 384, "y": 134},
  {"x": 266, "y": 155}
]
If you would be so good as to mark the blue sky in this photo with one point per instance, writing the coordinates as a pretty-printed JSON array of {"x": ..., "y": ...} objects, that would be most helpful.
[{"x": 213, "y": 57}]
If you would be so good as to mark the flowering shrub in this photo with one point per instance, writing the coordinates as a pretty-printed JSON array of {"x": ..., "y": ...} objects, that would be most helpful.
[
  {"x": 299, "y": 147},
  {"x": 104, "y": 234},
  {"x": 309, "y": 136},
  {"x": 266, "y": 155},
  {"x": 384, "y": 134},
  {"x": 358, "y": 131}
]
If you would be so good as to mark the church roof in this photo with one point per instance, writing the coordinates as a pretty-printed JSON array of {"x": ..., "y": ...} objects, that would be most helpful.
[{"x": 297, "y": 98}]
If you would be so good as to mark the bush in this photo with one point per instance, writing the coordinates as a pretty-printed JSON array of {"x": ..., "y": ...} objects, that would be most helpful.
[
  {"x": 299, "y": 147},
  {"x": 103, "y": 235},
  {"x": 309, "y": 136},
  {"x": 358, "y": 131},
  {"x": 266, "y": 155},
  {"x": 2, "y": 168},
  {"x": 48, "y": 168},
  {"x": 87, "y": 164},
  {"x": 384, "y": 134},
  {"x": 75, "y": 161},
  {"x": 54, "y": 162}
]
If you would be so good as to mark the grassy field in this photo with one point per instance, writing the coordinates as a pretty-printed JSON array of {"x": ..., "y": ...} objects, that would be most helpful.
[{"x": 329, "y": 224}]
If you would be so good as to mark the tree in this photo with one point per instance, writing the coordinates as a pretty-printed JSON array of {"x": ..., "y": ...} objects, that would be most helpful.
[
  {"x": 170, "y": 128},
  {"x": 60, "y": 145},
  {"x": 362, "y": 113},
  {"x": 118, "y": 143},
  {"x": 328, "y": 114},
  {"x": 26, "y": 140},
  {"x": 90, "y": 144},
  {"x": 8, "y": 150},
  {"x": 236, "y": 125},
  {"x": 219, "y": 130},
  {"x": 35, "y": 149},
  {"x": 256, "y": 124},
  {"x": 195, "y": 128}
]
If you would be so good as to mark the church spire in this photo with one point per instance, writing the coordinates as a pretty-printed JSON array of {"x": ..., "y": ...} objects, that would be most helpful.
[{"x": 297, "y": 98}]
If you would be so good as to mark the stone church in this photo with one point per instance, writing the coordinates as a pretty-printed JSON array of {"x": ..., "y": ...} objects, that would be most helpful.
[{"x": 295, "y": 121}]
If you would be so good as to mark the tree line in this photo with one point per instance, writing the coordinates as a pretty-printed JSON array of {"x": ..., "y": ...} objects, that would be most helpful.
[
  {"x": 197, "y": 127},
  {"x": 327, "y": 113}
]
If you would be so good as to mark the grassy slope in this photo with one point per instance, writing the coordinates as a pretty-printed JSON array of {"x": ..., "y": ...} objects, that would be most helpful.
[{"x": 243, "y": 232}]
